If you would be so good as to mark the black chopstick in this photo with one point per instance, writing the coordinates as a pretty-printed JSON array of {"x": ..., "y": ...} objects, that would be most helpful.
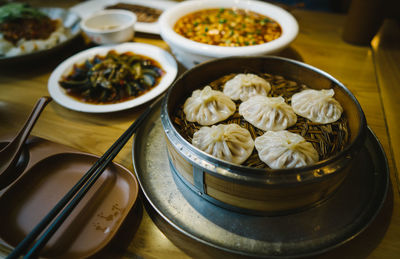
[{"x": 83, "y": 185}]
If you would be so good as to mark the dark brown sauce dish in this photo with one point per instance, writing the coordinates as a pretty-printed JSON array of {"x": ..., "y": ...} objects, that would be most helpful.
[{"x": 50, "y": 173}]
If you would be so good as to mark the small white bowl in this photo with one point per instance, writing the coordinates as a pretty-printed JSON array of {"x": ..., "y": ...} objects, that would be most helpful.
[
  {"x": 191, "y": 53},
  {"x": 110, "y": 26}
]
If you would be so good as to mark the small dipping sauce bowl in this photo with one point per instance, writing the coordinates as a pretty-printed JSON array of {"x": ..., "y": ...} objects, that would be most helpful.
[{"x": 110, "y": 26}]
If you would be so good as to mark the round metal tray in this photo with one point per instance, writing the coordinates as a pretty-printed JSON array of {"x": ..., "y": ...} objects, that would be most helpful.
[{"x": 316, "y": 230}]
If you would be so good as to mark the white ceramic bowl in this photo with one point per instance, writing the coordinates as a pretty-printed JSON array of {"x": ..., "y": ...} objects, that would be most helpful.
[
  {"x": 191, "y": 53},
  {"x": 110, "y": 26}
]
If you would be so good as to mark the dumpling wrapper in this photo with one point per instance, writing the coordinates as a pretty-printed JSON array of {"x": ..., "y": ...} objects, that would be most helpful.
[
  {"x": 243, "y": 86},
  {"x": 284, "y": 149},
  {"x": 318, "y": 106},
  {"x": 208, "y": 106},
  {"x": 268, "y": 113},
  {"x": 228, "y": 142}
]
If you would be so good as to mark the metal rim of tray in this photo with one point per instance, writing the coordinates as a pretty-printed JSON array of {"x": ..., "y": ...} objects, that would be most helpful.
[{"x": 180, "y": 207}]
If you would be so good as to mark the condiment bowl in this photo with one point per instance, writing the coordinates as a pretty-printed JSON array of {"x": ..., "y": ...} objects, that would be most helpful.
[
  {"x": 254, "y": 190},
  {"x": 110, "y": 26},
  {"x": 190, "y": 52}
]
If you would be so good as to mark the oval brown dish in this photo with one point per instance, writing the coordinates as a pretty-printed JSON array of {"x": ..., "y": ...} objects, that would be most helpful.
[
  {"x": 253, "y": 190},
  {"x": 52, "y": 171}
]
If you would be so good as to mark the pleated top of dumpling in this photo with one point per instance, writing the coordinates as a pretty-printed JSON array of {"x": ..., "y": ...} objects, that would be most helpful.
[
  {"x": 208, "y": 106},
  {"x": 243, "y": 86},
  {"x": 228, "y": 142},
  {"x": 319, "y": 106},
  {"x": 284, "y": 149},
  {"x": 268, "y": 113}
]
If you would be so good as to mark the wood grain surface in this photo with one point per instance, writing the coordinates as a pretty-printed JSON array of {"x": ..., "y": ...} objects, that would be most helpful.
[{"x": 319, "y": 44}]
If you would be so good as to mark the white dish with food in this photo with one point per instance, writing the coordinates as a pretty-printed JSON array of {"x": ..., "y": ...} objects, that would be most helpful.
[
  {"x": 147, "y": 22},
  {"x": 191, "y": 51},
  {"x": 166, "y": 62},
  {"x": 66, "y": 29}
]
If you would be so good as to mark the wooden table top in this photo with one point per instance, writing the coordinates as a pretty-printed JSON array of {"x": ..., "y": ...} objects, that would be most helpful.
[{"x": 319, "y": 44}]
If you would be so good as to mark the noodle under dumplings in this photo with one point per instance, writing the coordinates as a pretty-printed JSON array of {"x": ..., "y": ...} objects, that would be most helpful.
[
  {"x": 228, "y": 142},
  {"x": 208, "y": 106},
  {"x": 268, "y": 113},
  {"x": 319, "y": 106},
  {"x": 284, "y": 149},
  {"x": 243, "y": 86}
]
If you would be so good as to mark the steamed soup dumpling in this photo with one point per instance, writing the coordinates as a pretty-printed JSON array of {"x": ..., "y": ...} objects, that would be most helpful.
[
  {"x": 208, "y": 106},
  {"x": 268, "y": 113},
  {"x": 284, "y": 149},
  {"x": 243, "y": 86},
  {"x": 228, "y": 142},
  {"x": 319, "y": 106}
]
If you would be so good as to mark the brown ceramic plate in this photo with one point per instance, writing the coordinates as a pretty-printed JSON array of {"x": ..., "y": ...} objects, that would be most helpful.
[{"x": 51, "y": 171}]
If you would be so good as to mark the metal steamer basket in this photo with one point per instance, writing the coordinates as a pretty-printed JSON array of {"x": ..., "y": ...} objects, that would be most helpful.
[{"x": 251, "y": 190}]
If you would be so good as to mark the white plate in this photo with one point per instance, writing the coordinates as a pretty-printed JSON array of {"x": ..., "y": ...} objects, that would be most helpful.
[
  {"x": 70, "y": 21},
  {"x": 88, "y": 7},
  {"x": 167, "y": 62}
]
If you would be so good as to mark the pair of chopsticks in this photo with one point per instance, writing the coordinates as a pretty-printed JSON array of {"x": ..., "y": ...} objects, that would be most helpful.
[{"x": 69, "y": 202}]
